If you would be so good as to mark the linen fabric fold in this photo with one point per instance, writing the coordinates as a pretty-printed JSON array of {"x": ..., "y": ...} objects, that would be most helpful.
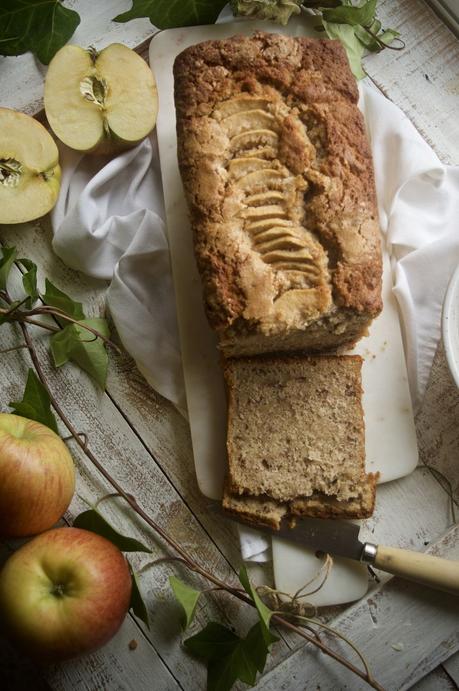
[{"x": 108, "y": 223}]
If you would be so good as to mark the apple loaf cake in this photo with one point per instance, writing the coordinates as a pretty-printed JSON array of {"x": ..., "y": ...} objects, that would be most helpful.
[
  {"x": 278, "y": 176},
  {"x": 296, "y": 439}
]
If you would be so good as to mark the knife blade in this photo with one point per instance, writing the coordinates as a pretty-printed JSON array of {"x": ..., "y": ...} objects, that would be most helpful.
[{"x": 341, "y": 539}]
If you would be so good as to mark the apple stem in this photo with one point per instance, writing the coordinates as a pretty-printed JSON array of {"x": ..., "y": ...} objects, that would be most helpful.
[{"x": 170, "y": 541}]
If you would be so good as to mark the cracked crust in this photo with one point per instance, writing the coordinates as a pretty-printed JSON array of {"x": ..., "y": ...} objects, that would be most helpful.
[{"x": 279, "y": 180}]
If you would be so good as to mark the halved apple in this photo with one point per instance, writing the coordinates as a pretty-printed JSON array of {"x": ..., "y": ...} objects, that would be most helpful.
[
  {"x": 29, "y": 168},
  {"x": 100, "y": 102}
]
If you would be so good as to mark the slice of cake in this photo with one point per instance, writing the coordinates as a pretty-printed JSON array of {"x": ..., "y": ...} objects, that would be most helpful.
[{"x": 296, "y": 439}]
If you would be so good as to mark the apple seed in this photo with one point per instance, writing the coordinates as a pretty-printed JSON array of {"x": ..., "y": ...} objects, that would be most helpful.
[{"x": 10, "y": 172}]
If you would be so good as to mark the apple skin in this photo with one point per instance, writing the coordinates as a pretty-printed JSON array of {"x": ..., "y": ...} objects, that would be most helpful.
[
  {"x": 64, "y": 594},
  {"x": 37, "y": 477}
]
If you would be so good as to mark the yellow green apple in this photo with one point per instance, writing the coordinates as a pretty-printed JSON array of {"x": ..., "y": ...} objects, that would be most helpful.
[
  {"x": 29, "y": 168},
  {"x": 37, "y": 477},
  {"x": 100, "y": 102},
  {"x": 63, "y": 594}
]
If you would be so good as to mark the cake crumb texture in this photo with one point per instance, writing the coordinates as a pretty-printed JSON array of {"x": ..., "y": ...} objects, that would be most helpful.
[{"x": 296, "y": 439}]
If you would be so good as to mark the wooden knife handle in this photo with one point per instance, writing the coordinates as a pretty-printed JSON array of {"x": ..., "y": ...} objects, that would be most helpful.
[{"x": 435, "y": 572}]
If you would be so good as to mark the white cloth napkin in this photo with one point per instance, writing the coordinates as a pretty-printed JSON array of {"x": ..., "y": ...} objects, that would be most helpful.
[{"x": 109, "y": 224}]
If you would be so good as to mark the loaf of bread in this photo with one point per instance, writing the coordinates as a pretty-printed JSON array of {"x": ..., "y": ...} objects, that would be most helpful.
[
  {"x": 278, "y": 176},
  {"x": 296, "y": 439}
]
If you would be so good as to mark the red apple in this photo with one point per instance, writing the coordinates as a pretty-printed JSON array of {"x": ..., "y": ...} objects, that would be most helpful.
[
  {"x": 63, "y": 594},
  {"x": 37, "y": 476}
]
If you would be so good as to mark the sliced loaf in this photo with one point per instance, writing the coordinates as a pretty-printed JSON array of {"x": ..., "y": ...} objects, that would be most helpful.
[{"x": 296, "y": 439}]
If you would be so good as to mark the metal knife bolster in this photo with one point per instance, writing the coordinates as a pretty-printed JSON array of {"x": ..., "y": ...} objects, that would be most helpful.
[{"x": 369, "y": 551}]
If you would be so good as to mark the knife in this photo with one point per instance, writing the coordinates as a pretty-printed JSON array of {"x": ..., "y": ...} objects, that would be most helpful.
[{"x": 341, "y": 539}]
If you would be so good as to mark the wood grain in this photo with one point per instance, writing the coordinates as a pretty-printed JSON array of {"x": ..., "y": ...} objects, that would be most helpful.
[
  {"x": 146, "y": 444},
  {"x": 422, "y": 79},
  {"x": 391, "y": 626}
]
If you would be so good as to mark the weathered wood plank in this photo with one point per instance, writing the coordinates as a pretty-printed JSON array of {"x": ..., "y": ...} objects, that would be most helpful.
[
  {"x": 401, "y": 505},
  {"x": 112, "y": 440},
  {"x": 438, "y": 422},
  {"x": 415, "y": 509},
  {"x": 422, "y": 79},
  {"x": 404, "y": 631},
  {"x": 437, "y": 680},
  {"x": 451, "y": 665}
]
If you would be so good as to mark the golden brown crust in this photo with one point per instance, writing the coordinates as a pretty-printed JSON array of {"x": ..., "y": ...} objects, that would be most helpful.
[{"x": 278, "y": 175}]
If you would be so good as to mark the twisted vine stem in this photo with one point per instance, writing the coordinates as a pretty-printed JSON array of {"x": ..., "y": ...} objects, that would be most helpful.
[{"x": 24, "y": 319}]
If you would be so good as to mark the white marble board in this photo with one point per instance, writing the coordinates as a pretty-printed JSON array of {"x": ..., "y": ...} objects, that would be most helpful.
[{"x": 390, "y": 435}]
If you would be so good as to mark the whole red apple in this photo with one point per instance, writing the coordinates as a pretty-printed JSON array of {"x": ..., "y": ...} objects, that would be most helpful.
[
  {"x": 37, "y": 476},
  {"x": 63, "y": 594}
]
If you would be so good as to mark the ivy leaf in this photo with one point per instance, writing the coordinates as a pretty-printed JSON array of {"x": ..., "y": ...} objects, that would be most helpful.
[
  {"x": 215, "y": 641},
  {"x": 93, "y": 521},
  {"x": 187, "y": 596},
  {"x": 388, "y": 36},
  {"x": 228, "y": 656},
  {"x": 36, "y": 403},
  {"x": 354, "y": 49},
  {"x": 264, "y": 612},
  {"x": 6, "y": 264},
  {"x": 350, "y": 14},
  {"x": 137, "y": 603},
  {"x": 166, "y": 14},
  {"x": 41, "y": 26},
  {"x": 56, "y": 298},
  {"x": 29, "y": 280},
  {"x": 256, "y": 641},
  {"x": 79, "y": 345}
]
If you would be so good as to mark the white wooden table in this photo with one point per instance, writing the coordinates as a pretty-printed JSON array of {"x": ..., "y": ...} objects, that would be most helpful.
[{"x": 409, "y": 635}]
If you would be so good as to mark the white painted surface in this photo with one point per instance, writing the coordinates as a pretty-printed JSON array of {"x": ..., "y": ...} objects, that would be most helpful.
[{"x": 142, "y": 439}]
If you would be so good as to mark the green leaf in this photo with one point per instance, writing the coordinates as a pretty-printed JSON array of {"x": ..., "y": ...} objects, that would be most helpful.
[
  {"x": 351, "y": 14},
  {"x": 29, "y": 280},
  {"x": 41, "y": 26},
  {"x": 93, "y": 521},
  {"x": 214, "y": 641},
  {"x": 228, "y": 656},
  {"x": 257, "y": 643},
  {"x": 264, "y": 612},
  {"x": 6, "y": 263},
  {"x": 36, "y": 403},
  {"x": 222, "y": 674},
  {"x": 187, "y": 596},
  {"x": 166, "y": 14},
  {"x": 137, "y": 603},
  {"x": 79, "y": 345},
  {"x": 352, "y": 45},
  {"x": 56, "y": 298},
  {"x": 11, "y": 307},
  {"x": 388, "y": 36}
]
